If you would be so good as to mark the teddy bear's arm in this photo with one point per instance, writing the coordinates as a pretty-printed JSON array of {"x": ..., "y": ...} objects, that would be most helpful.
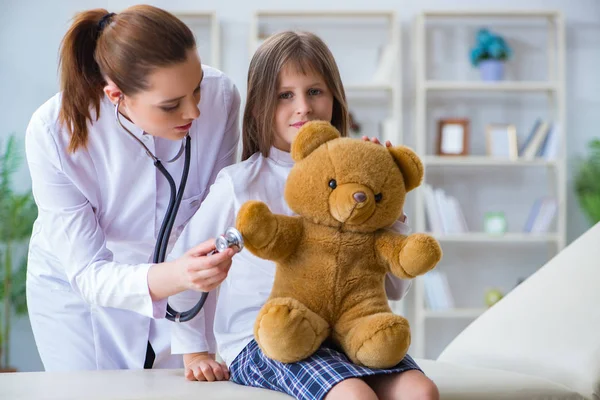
[
  {"x": 267, "y": 235},
  {"x": 408, "y": 256}
]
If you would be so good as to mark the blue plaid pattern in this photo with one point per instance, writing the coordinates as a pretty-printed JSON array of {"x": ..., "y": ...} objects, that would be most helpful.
[{"x": 310, "y": 379}]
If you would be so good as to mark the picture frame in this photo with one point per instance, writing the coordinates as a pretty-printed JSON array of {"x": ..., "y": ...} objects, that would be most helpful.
[
  {"x": 501, "y": 141},
  {"x": 453, "y": 137}
]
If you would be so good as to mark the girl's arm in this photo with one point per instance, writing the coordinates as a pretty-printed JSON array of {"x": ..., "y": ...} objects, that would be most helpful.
[{"x": 396, "y": 288}]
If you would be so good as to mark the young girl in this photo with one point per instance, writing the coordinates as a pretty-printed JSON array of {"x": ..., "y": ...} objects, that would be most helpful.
[{"x": 292, "y": 79}]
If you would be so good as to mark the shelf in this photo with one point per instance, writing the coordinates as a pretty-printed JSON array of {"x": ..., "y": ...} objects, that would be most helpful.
[
  {"x": 502, "y": 86},
  {"x": 491, "y": 13},
  {"x": 190, "y": 14},
  {"x": 454, "y": 313},
  {"x": 540, "y": 95},
  {"x": 367, "y": 87},
  {"x": 325, "y": 13},
  {"x": 482, "y": 237},
  {"x": 469, "y": 161}
]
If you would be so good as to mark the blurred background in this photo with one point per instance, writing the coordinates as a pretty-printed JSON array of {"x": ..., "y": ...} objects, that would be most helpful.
[{"x": 501, "y": 99}]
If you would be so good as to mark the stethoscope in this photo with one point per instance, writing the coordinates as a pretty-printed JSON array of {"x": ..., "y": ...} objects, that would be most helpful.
[{"x": 231, "y": 238}]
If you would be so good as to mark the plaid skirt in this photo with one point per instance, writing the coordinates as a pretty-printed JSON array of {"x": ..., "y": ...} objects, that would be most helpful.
[{"x": 310, "y": 378}]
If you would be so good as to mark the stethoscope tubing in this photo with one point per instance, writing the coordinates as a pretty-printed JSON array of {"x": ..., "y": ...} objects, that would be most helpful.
[{"x": 162, "y": 241}]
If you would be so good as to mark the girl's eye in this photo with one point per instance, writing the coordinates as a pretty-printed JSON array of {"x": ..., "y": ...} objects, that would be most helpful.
[
  {"x": 170, "y": 108},
  {"x": 285, "y": 96},
  {"x": 314, "y": 92}
]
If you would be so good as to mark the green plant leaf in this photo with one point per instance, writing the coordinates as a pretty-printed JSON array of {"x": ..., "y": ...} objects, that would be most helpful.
[
  {"x": 19, "y": 293},
  {"x": 587, "y": 182},
  {"x": 17, "y": 215}
]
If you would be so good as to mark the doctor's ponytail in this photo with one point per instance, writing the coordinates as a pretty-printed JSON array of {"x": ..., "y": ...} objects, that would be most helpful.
[
  {"x": 122, "y": 47},
  {"x": 80, "y": 78}
]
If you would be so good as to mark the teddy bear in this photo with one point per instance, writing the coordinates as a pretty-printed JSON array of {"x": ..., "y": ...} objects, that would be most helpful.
[{"x": 332, "y": 258}]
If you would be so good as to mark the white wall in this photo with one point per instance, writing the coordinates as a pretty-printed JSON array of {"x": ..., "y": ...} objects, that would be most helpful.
[{"x": 30, "y": 34}]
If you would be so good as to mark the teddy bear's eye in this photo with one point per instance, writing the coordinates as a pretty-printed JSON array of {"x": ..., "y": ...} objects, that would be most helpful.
[
  {"x": 332, "y": 184},
  {"x": 378, "y": 197}
]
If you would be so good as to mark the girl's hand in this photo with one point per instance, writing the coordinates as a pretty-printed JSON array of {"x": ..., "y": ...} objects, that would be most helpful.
[
  {"x": 202, "y": 272},
  {"x": 376, "y": 141},
  {"x": 203, "y": 367}
]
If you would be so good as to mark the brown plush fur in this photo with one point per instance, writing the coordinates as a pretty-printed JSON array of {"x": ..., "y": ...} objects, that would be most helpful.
[{"x": 332, "y": 258}]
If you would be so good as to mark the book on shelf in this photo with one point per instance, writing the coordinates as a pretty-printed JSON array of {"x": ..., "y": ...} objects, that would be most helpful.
[
  {"x": 443, "y": 211},
  {"x": 542, "y": 141},
  {"x": 438, "y": 295},
  {"x": 541, "y": 215}
]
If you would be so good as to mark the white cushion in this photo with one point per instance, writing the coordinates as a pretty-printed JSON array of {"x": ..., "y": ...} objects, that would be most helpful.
[
  {"x": 456, "y": 382},
  {"x": 549, "y": 326}
]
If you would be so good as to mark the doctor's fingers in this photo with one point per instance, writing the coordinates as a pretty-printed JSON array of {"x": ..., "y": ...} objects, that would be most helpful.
[
  {"x": 220, "y": 259},
  {"x": 199, "y": 264},
  {"x": 202, "y": 249},
  {"x": 207, "y": 280},
  {"x": 207, "y": 262}
]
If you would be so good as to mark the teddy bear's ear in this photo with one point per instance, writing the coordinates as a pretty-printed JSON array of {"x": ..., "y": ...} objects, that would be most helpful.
[
  {"x": 310, "y": 136},
  {"x": 410, "y": 166}
]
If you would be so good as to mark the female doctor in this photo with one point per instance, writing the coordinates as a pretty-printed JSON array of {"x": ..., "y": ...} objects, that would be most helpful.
[{"x": 96, "y": 301}]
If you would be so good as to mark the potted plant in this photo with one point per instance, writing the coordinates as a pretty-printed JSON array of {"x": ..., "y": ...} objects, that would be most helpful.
[
  {"x": 489, "y": 54},
  {"x": 17, "y": 214},
  {"x": 587, "y": 182}
]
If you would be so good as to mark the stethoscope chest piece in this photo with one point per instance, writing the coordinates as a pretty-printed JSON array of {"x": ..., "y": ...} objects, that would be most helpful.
[{"x": 231, "y": 238}]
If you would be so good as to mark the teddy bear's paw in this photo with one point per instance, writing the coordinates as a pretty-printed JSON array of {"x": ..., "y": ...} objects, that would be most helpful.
[
  {"x": 420, "y": 254},
  {"x": 256, "y": 223},
  {"x": 287, "y": 331},
  {"x": 379, "y": 341}
]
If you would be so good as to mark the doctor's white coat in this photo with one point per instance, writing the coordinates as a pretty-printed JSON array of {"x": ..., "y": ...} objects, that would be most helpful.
[{"x": 100, "y": 210}]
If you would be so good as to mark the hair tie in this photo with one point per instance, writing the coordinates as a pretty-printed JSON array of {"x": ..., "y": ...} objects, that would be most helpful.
[{"x": 104, "y": 21}]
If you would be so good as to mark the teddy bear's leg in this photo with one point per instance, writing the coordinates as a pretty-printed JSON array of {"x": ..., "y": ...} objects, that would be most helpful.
[
  {"x": 377, "y": 341},
  {"x": 287, "y": 331}
]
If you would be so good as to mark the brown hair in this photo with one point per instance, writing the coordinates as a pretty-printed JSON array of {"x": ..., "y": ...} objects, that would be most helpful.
[
  {"x": 122, "y": 47},
  {"x": 305, "y": 51}
]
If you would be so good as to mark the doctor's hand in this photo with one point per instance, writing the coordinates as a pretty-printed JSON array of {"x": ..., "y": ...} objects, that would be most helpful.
[
  {"x": 201, "y": 271},
  {"x": 204, "y": 367},
  {"x": 195, "y": 270}
]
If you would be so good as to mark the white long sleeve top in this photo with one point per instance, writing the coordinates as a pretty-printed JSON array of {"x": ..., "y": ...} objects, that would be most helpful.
[{"x": 226, "y": 323}]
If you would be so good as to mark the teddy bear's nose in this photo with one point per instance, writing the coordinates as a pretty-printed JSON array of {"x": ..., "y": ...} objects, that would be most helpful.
[{"x": 360, "y": 197}]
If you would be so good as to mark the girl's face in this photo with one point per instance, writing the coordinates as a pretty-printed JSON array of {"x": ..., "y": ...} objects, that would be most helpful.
[
  {"x": 170, "y": 104},
  {"x": 300, "y": 98}
]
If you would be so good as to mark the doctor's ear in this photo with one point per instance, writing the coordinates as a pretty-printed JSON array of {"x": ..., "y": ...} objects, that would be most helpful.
[{"x": 113, "y": 92}]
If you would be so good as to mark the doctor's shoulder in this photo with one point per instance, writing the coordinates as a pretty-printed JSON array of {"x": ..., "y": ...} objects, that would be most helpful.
[
  {"x": 217, "y": 88},
  {"x": 45, "y": 125}
]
